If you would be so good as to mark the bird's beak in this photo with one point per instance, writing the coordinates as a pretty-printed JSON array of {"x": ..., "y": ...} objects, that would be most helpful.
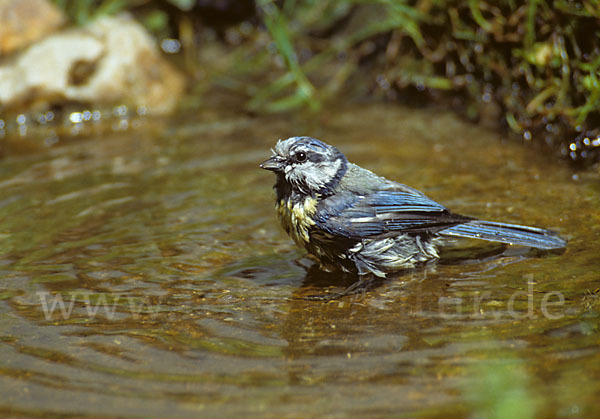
[{"x": 274, "y": 164}]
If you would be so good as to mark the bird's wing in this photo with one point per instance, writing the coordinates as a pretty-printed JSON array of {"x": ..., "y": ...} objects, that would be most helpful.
[{"x": 382, "y": 213}]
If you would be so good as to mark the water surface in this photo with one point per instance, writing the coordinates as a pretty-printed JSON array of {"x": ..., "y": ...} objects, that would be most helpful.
[{"x": 144, "y": 274}]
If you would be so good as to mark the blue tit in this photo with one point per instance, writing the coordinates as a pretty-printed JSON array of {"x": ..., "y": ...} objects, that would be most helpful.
[{"x": 351, "y": 219}]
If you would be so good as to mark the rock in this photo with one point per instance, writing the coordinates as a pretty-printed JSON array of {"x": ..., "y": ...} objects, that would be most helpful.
[
  {"x": 23, "y": 22},
  {"x": 112, "y": 61}
]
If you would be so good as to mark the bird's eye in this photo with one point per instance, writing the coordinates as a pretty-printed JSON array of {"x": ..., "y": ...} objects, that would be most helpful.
[{"x": 301, "y": 156}]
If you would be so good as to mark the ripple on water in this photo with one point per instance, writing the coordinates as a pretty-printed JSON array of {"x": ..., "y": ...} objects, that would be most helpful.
[{"x": 146, "y": 271}]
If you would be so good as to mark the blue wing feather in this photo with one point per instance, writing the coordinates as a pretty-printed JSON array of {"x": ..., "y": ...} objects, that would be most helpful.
[
  {"x": 383, "y": 212},
  {"x": 393, "y": 212}
]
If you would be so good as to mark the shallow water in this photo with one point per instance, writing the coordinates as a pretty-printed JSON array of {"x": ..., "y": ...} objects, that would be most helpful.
[{"x": 181, "y": 295}]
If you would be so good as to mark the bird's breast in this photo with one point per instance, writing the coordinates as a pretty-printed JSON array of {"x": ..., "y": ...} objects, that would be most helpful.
[{"x": 297, "y": 217}]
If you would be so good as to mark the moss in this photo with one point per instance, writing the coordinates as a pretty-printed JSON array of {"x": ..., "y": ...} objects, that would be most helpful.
[{"x": 533, "y": 66}]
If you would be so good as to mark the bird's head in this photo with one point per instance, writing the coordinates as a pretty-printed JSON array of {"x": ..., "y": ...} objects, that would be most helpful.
[{"x": 308, "y": 165}]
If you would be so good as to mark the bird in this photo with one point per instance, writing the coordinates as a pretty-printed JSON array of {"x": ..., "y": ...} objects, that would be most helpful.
[{"x": 352, "y": 220}]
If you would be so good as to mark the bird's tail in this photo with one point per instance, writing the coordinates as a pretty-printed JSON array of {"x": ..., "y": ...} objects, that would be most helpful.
[{"x": 507, "y": 233}]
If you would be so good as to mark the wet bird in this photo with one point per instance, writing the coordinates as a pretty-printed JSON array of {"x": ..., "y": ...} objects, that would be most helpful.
[{"x": 351, "y": 219}]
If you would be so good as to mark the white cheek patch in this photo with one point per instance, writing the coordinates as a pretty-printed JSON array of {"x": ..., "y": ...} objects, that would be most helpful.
[
  {"x": 312, "y": 175},
  {"x": 331, "y": 170},
  {"x": 316, "y": 176}
]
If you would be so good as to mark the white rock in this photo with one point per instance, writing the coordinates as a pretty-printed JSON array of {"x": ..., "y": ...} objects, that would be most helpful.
[{"x": 111, "y": 61}]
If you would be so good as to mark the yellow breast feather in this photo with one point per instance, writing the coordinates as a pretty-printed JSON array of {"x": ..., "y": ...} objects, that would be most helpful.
[{"x": 297, "y": 218}]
